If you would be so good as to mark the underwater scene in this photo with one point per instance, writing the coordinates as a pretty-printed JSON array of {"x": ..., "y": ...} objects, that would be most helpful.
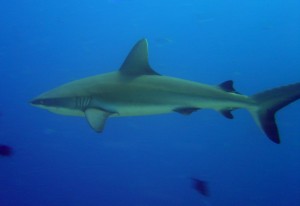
[{"x": 150, "y": 103}]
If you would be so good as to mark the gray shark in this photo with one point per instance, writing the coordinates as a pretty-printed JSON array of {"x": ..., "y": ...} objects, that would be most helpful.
[{"x": 136, "y": 89}]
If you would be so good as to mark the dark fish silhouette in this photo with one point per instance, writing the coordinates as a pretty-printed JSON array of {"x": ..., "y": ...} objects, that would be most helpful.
[
  {"x": 200, "y": 186},
  {"x": 5, "y": 150}
]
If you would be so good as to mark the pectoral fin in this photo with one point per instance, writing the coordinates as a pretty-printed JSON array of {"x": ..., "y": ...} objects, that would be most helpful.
[{"x": 96, "y": 118}]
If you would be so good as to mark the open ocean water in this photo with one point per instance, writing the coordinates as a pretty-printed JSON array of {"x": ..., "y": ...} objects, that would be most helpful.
[{"x": 148, "y": 160}]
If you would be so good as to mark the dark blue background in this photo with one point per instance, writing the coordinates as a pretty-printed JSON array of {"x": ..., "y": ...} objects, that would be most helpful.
[{"x": 59, "y": 160}]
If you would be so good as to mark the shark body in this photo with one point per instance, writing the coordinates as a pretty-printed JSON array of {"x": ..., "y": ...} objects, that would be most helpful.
[{"x": 136, "y": 89}]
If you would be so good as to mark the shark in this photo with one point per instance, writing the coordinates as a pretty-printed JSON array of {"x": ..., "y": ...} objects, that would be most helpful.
[{"x": 136, "y": 89}]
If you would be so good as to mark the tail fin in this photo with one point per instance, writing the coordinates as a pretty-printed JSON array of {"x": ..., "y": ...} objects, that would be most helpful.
[{"x": 269, "y": 102}]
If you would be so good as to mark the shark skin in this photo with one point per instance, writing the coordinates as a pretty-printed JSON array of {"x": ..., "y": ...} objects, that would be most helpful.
[{"x": 136, "y": 89}]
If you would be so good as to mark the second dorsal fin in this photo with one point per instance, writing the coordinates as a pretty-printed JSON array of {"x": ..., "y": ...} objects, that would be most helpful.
[{"x": 228, "y": 86}]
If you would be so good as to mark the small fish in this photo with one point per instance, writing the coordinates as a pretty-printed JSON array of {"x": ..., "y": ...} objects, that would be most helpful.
[
  {"x": 200, "y": 186},
  {"x": 5, "y": 150}
]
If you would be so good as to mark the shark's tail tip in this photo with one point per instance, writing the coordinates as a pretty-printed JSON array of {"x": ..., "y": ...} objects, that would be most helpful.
[{"x": 271, "y": 101}]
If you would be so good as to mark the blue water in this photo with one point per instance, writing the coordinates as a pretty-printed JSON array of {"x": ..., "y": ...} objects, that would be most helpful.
[{"x": 143, "y": 161}]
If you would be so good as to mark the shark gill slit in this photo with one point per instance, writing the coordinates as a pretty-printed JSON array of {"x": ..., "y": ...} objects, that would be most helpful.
[{"x": 82, "y": 102}]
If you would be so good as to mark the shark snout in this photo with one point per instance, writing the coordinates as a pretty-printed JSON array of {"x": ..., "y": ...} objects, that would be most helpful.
[
  {"x": 52, "y": 102},
  {"x": 36, "y": 102}
]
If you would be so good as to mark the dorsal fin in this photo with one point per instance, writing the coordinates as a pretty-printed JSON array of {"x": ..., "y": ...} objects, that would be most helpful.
[
  {"x": 227, "y": 86},
  {"x": 136, "y": 63}
]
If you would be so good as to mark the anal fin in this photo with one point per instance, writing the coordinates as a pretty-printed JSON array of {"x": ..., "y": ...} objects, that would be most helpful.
[{"x": 227, "y": 113}]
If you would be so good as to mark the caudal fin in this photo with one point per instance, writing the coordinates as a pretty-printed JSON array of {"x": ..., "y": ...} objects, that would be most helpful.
[{"x": 269, "y": 102}]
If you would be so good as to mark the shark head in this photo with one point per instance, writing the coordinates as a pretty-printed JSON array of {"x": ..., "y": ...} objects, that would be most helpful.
[
  {"x": 64, "y": 106},
  {"x": 47, "y": 102},
  {"x": 62, "y": 100}
]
